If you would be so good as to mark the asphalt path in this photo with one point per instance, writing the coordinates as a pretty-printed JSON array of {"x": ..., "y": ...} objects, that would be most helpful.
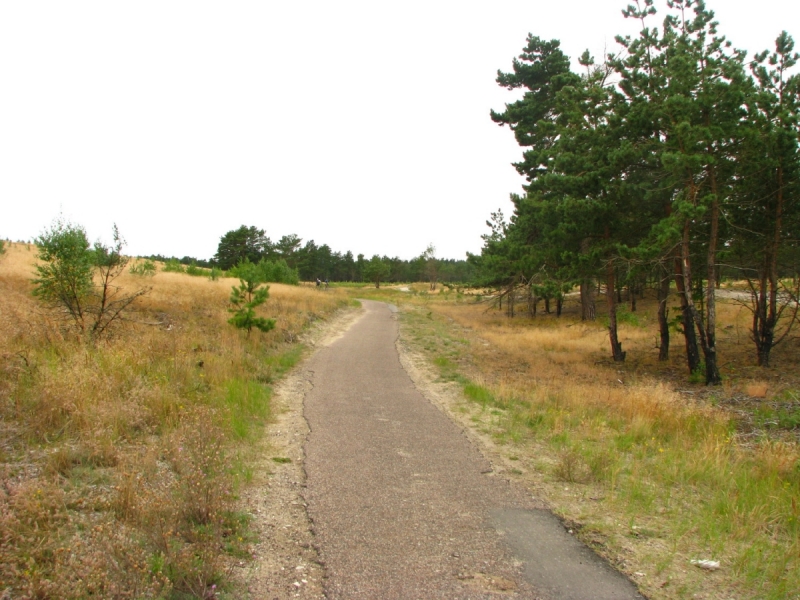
[{"x": 403, "y": 504}]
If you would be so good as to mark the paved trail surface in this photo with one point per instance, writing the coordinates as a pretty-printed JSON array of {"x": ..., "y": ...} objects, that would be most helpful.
[{"x": 404, "y": 505}]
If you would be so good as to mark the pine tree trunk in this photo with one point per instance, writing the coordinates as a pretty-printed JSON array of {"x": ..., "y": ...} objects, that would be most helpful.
[
  {"x": 588, "y": 294},
  {"x": 559, "y": 305},
  {"x": 700, "y": 293},
  {"x": 713, "y": 376},
  {"x": 532, "y": 302},
  {"x": 663, "y": 317},
  {"x": 616, "y": 348},
  {"x": 762, "y": 333},
  {"x": 765, "y": 316},
  {"x": 696, "y": 316},
  {"x": 692, "y": 351}
]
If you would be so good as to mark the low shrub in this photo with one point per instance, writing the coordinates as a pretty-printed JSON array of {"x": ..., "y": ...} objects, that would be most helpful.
[
  {"x": 267, "y": 271},
  {"x": 143, "y": 268},
  {"x": 195, "y": 271},
  {"x": 173, "y": 266}
]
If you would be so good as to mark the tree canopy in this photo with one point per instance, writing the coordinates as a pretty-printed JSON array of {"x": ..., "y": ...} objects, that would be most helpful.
[
  {"x": 245, "y": 243},
  {"x": 310, "y": 261},
  {"x": 673, "y": 158}
]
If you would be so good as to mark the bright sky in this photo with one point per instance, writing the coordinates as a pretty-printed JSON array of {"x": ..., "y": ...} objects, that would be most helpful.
[{"x": 359, "y": 124}]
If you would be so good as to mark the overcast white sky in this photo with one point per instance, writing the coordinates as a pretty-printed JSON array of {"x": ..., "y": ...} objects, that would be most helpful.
[{"x": 360, "y": 124}]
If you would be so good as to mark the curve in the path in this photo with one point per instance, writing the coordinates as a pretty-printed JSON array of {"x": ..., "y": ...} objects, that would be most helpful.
[{"x": 403, "y": 505}]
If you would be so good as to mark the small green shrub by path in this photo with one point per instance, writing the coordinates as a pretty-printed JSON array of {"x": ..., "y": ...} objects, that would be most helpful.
[{"x": 246, "y": 297}]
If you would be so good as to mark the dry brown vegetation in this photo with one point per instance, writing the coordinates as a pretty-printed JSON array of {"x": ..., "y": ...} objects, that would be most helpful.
[
  {"x": 651, "y": 469},
  {"x": 121, "y": 460}
]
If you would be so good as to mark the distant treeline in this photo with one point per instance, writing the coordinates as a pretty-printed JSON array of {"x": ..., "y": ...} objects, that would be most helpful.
[
  {"x": 321, "y": 262},
  {"x": 186, "y": 260}
]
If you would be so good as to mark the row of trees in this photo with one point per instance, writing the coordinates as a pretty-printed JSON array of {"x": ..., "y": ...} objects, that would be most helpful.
[
  {"x": 674, "y": 160},
  {"x": 249, "y": 243}
]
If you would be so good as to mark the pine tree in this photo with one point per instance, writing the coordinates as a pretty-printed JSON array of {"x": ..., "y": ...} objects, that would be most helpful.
[
  {"x": 246, "y": 297},
  {"x": 244, "y": 243},
  {"x": 769, "y": 187}
]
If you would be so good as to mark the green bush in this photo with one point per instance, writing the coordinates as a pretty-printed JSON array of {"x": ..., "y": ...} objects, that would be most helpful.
[
  {"x": 279, "y": 272},
  {"x": 143, "y": 268},
  {"x": 64, "y": 275},
  {"x": 267, "y": 271},
  {"x": 173, "y": 266},
  {"x": 698, "y": 375},
  {"x": 626, "y": 317},
  {"x": 196, "y": 271},
  {"x": 78, "y": 280}
]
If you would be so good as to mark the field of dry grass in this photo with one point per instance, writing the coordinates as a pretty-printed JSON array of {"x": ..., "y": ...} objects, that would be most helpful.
[
  {"x": 121, "y": 459},
  {"x": 651, "y": 469}
]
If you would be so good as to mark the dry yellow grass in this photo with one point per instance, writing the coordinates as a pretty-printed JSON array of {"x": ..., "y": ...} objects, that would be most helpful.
[{"x": 121, "y": 458}]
